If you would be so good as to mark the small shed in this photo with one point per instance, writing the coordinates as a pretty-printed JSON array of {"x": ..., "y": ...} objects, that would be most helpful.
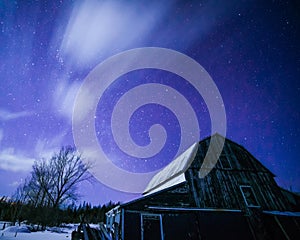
[{"x": 238, "y": 199}]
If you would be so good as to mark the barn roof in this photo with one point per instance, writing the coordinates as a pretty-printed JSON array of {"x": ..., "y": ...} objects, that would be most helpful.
[{"x": 173, "y": 173}]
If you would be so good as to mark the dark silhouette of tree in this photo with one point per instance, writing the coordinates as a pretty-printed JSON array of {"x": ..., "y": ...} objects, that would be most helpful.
[
  {"x": 48, "y": 196},
  {"x": 54, "y": 182},
  {"x": 49, "y": 216}
]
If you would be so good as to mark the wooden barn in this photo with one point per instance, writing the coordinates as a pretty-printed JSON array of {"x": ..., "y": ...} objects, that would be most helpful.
[{"x": 238, "y": 199}]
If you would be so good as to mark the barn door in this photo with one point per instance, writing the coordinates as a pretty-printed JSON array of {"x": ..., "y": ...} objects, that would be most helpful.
[{"x": 151, "y": 227}]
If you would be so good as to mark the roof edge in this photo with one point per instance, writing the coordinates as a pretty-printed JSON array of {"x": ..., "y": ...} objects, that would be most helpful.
[{"x": 159, "y": 179}]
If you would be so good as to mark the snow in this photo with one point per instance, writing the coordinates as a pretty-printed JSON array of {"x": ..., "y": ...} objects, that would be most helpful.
[
  {"x": 23, "y": 233},
  {"x": 172, "y": 182},
  {"x": 19, "y": 229},
  {"x": 173, "y": 170}
]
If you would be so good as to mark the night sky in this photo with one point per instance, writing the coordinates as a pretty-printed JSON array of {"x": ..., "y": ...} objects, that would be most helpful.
[{"x": 47, "y": 49}]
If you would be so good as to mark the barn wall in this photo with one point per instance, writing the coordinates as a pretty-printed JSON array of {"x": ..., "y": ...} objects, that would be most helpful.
[
  {"x": 191, "y": 225},
  {"x": 132, "y": 225},
  {"x": 221, "y": 187},
  {"x": 176, "y": 196},
  {"x": 224, "y": 225},
  {"x": 180, "y": 225}
]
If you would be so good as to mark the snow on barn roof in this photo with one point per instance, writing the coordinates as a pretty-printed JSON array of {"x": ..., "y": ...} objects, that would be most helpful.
[{"x": 173, "y": 173}]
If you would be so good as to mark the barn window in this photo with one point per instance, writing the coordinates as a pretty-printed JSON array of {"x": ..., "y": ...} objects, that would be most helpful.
[
  {"x": 225, "y": 163},
  {"x": 249, "y": 196}
]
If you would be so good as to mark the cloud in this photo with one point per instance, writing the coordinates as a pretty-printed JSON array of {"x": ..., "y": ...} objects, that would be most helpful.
[
  {"x": 1, "y": 135},
  {"x": 16, "y": 161},
  {"x": 64, "y": 97},
  {"x": 15, "y": 183},
  {"x": 12, "y": 161},
  {"x": 98, "y": 28},
  {"x": 45, "y": 148},
  {"x": 6, "y": 115}
]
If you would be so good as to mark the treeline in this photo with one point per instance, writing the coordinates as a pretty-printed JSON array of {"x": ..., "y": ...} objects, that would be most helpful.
[
  {"x": 52, "y": 185},
  {"x": 41, "y": 217},
  {"x": 53, "y": 182}
]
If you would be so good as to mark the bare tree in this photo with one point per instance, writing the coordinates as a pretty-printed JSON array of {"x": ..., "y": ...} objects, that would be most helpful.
[
  {"x": 67, "y": 170},
  {"x": 55, "y": 181}
]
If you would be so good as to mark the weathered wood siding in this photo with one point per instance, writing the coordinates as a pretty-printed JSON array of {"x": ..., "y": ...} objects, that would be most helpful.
[
  {"x": 221, "y": 187},
  {"x": 190, "y": 224},
  {"x": 177, "y": 196}
]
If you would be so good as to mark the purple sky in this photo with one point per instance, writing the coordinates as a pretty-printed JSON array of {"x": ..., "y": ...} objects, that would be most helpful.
[{"x": 47, "y": 48}]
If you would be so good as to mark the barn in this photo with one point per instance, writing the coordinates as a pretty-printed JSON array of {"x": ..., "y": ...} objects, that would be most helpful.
[{"x": 238, "y": 199}]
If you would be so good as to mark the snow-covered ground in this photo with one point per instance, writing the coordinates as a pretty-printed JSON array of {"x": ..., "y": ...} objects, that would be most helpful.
[{"x": 23, "y": 233}]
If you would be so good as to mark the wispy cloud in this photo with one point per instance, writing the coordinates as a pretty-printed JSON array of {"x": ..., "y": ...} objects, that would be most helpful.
[
  {"x": 1, "y": 135},
  {"x": 45, "y": 148},
  {"x": 98, "y": 27},
  {"x": 6, "y": 115},
  {"x": 64, "y": 97},
  {"x": 16, "y": 183},
  {"x": 10, "y": 160}
]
